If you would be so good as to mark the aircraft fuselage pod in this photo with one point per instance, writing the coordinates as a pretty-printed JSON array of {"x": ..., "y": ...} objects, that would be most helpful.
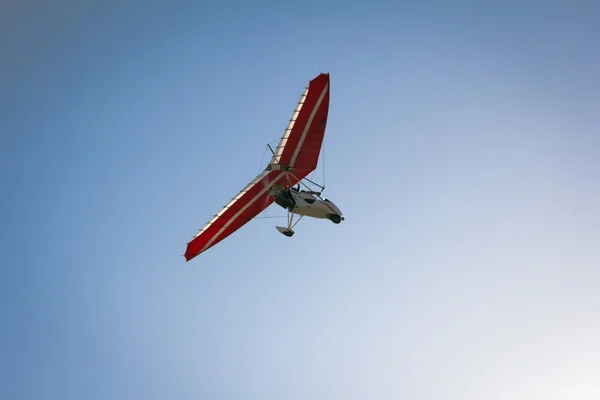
[{"x": 305, "y": 203}]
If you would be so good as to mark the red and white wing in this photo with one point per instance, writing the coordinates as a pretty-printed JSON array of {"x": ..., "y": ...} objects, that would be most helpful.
[
  {"x": 250, "y": 202},
  {"x": 300, "y": 145}
]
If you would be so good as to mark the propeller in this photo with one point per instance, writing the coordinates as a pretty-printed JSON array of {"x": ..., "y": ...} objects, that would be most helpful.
[
  {"x": 272, "y": 190},
  {"x": 265, "y": 182},
  {"x": 275, "y": 188}
]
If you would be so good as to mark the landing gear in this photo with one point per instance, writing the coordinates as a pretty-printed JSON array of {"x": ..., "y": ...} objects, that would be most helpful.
[
  {"x": 289, "y": 230},
  {"x": 285, "y": 231},
  {"x": 336, "y": 219}
]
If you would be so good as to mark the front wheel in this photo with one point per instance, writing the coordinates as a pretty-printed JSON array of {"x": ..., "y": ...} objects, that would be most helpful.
[{"x": 336, "y": 219}]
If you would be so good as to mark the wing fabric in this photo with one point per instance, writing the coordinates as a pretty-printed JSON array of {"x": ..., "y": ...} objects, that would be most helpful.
[
  {"x": 250, "y": 202},
  {"x": 288, "y": 130},
  {"x": 300, "y": 145}
]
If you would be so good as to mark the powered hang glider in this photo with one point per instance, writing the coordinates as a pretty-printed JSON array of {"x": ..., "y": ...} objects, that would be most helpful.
[{"x": 294, "y": 158}]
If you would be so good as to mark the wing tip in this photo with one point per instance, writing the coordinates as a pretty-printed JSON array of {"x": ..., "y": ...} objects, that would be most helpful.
[
  {"x": 190, "y": 253},
  {"x": 322, "y": 77},
  {"x": 189, "y": 257}
]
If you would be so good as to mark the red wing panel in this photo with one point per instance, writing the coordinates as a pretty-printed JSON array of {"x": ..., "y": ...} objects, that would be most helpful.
[
  {"x": 303, "y": 145},
  {"x": 250, "y": 202}
]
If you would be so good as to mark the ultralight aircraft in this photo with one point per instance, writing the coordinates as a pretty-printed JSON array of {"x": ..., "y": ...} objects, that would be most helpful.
[{"x": 294, "y": 158}]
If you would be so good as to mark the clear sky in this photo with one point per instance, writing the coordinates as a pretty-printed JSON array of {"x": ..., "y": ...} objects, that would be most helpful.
[{"x": 463, "y": 147}]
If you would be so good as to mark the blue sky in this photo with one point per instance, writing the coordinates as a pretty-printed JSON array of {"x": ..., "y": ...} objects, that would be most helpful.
[{"x": 463, "y": 147}]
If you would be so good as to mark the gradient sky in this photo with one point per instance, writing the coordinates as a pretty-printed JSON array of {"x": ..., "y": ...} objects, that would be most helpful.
[{"x": 463, "y": 147}]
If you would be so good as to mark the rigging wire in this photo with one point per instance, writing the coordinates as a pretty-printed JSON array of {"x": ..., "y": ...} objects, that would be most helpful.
[
  {"x": 261, "y": 161},
  {"x": 323, "y": 162},
  {"x": 322, "y": 166},
  {"x": 260, "y": 168}
]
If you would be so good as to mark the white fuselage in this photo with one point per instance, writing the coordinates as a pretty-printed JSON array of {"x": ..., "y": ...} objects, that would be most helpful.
[{"x": 311, "y": 206}]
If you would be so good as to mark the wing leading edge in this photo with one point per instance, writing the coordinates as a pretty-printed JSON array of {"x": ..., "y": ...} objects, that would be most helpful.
[{"x": 300, "y": 145}]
